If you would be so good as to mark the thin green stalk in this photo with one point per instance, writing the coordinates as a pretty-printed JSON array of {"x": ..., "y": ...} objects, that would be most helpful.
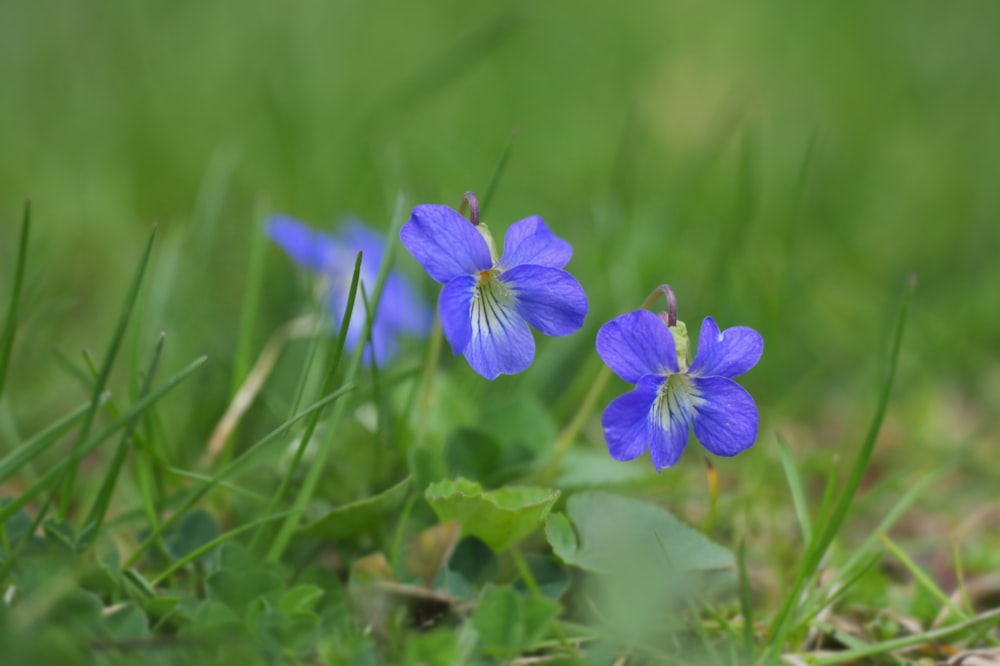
[
  {"x": 424, "y": 393},
  {"x": 227, "y": 471},
  {"x": 746, "y": 607},
  {"x": 885, "y": 647},
  {"x": 566, "y": 437},
  {"x": 102, "y": 378},
  {"x": 103, "y": 500},
  {"x": 921, "y": 576},
  {"x": 15, "y": 461},
  {"x": 326, "y": 387},
  {"x": 58, "y": 470},
  {"x": 497, "y": 172},
  {"x": 795, "y": 488},
  {"x": 10, "y": 323},
  {"x": 217, "y": 541},
  {"x": 317, "y": 468},
  {"x": 251, "y": 303},
  {"x": 784, "y": 620}
]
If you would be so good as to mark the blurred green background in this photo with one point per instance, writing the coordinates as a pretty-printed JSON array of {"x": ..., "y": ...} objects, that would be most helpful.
[{"x": 783, "y": 165}]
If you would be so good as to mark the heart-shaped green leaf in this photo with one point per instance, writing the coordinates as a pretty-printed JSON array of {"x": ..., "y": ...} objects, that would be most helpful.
[
  {"x": 361, "y": 516},
  {"x": 501, "y": 517},
  {"x": 615, "y": 532}
]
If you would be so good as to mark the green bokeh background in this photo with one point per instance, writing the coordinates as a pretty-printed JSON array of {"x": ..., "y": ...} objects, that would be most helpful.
[{"x": 783, "y": 165}]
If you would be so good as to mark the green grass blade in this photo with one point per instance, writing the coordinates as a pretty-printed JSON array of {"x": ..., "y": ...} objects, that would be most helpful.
[
  {"x": 217, "y": 541},
  {"x": 225, "y": 485},
  {"x": 337, "y": 352},
  {"x": 10, "y": 323},
  {"x": 14, "y": 461},
  {"x": 229, "y": 470},
  {"x": 921, "y": 576},
  {"x": 746, "y": 608},
  {"x": 251, "y": 301},
  {"x": 853, "y": 655},
  {"x": 308, "y": 487},
  {"x": 784, "y": 620},
  {"x": 102, "y": 378},
  {"x": 103, "y": 500},
  {"x": 501, "y": 166},
  {"x": 795, "y": 487},
  {"x": 58, "y": 470}
]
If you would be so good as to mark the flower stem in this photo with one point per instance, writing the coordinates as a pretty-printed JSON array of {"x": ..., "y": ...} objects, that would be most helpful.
[{"x": 568, "y": 434}]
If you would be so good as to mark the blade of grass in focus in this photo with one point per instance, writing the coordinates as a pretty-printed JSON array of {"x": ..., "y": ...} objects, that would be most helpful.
[
  {"x": 787, "y": 616},
  {"x": 308, "y": 488},
  {"x": 99, "y": 509},
  {"x": 335, "y": 354},
  {"x": 229, "y": 470},
  {"x": 57, "y": 470},
  {"x": 105, "y": 372}
]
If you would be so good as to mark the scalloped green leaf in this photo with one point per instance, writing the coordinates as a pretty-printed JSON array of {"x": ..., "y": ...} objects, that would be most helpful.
[
  {"x": 614, "y": 533},
  {"x": 364, "y": 515},
  {"x": 500, "y": 517}
]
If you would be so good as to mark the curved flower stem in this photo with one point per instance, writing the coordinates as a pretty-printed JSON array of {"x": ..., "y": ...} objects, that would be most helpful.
[{"x": 568, "y": 434}]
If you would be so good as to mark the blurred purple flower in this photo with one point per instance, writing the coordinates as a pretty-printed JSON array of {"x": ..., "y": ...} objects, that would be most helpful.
[
  {"x": 486, "y": 304},
  {"x": 332, "y": 257},
  {"x": 670, "y": 397}
]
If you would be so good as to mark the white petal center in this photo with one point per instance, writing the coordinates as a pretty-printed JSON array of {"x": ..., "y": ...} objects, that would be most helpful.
[{"x": 492, "y": 305}]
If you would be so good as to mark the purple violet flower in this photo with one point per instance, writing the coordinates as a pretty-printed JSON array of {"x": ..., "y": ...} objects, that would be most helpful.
[
  {"x": 670, "y": 396},
  {"x": 332, "y": 257},
  {"x": 487, "y": 303}
]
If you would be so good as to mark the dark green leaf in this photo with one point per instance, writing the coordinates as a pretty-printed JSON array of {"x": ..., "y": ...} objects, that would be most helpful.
[{"x": 362, "y": 516}]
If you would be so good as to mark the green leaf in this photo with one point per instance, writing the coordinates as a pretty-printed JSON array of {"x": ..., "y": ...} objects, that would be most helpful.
[
  {"x": 501, "y": 517},
  {"x": 473, "y": 454},
  {"x": 510, "y": 623},
  {"x": 364, "y": 515},
  {"x": 237, "y": 589},
  {"x": 520, "y": 423},
  {"x": 588, "y": 468},
  {"x": 127, "y": 623},
  {"x": 616, "y": 532},
  {"x": 551, "y": 576},
  {"x": 300, "y": 599},
  {"x": 474, "y": 560},
  {"x": 433, "y": 648},
  {"x": 192, "y": 532},
  {"x": 57, "y": 529},
  {"x": 426, "y": 466}
]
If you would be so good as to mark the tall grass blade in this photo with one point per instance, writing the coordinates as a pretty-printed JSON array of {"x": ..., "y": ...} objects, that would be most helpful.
[
  {"x": 336, "y": 353},
  {"x": 105, "y": 372},
  {"x": 795, "y": 488},
  {"x": 229, "y": 470},
  {"x": 14, "y": 461},
  {"x": 10, "y": 323},
  {"x": 251, "y": 301},
  {"x": 58, "y": 470},
  {"x": 308, "y": 488},
  {"x": 785, "y": 619},
  {"x": 746, "y": 608},
  {"x": 99, "y": 509},
  {"x": 501, "y": 166}
]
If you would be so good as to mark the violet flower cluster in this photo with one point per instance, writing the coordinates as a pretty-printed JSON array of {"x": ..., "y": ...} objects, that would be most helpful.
[{"x": 488, "y": 303}]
